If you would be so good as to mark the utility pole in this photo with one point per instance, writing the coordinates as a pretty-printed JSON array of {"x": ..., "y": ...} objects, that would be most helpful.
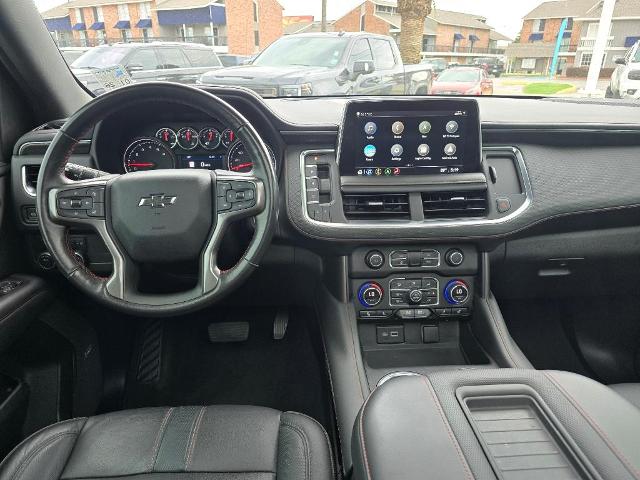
[
  {"x": 323, "y": 26},
  {"x": 599, "y": 47}
]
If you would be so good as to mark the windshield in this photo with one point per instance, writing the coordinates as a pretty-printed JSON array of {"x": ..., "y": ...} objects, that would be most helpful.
[
  {"x": 303, "y": 52},
  {"x": 100, "y": 57},
  {"x": 459, "y": 75},
  {"x": 550, "y": 48}
]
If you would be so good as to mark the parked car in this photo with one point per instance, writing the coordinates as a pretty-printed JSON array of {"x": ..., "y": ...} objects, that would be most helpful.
[
  {"x": 71, "y": 54},
  {"x": 437, "y": 65},
  {"x": 145, "y": 62},
  {"x": 625, "y": 79},
  {"x": 328, "y": 64},
  {"x": 492, "y": 65},
  {"x": 463, "y": 81},
  {"x": 229, "y": 60}
]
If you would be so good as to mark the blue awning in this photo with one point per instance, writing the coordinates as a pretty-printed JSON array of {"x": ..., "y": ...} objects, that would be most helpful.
[
  {"x": 123, "y": 24},
  {"x": 144, "y": 23},
  {"x": 97, "y": 26},
  {"x": 473, "y": 38},
  {"x": 536, "y": 37},
  {"x": 193, "y": 16},
  {"x": 58, "y": 24},
  {"x": 79, "y": 26},
  {"x": 566, "y": 35},
  {"x": 631, "y": 41},
  {"x": 458, "y": 36}
]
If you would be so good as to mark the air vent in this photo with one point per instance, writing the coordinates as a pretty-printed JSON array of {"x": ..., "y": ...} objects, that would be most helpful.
[
  {"x": 30, "y": 178},
  {"x": 367, "y": 206},
  {"x": 454, "y": 204},
  {"x": 40, "y": 148}
]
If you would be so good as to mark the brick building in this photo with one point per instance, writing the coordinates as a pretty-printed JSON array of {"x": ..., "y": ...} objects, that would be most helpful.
[
  {"x": 458, "y": 37},
  {"x": 535, "y": 48},
  {"x": 238, "y": 26}
]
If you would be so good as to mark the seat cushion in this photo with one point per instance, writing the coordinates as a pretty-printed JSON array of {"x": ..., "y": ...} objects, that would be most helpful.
[
  {"x": 203, "y": 443},
  {"x": 629, "y": 391}
]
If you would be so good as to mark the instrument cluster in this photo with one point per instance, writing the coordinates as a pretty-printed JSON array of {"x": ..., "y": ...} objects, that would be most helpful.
[{"x": 192, "y": 146}]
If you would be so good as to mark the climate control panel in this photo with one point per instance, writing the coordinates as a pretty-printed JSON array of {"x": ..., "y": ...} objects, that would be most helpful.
[{"x": 370, "y": 294}]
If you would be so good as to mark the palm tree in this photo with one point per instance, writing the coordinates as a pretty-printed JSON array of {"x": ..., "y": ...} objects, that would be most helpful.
[{"x": 413, "y": 13}]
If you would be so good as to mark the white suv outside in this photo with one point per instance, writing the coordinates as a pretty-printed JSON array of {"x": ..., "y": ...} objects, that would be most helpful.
[{"x": 625, "y": 80}]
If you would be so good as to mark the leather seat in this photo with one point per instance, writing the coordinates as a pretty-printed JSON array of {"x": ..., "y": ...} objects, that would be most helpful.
[
  {"x": 181, "y": 443},
  {"x": 628, "y": 391}
]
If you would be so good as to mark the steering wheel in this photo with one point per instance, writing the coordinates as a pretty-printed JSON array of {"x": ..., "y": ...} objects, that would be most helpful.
[{"x": 156, "y": 216}]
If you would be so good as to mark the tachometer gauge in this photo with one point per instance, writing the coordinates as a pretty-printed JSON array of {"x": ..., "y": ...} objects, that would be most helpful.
[
  {"x": 167, "y": 136},
  {"x": 238, "y": 159},
  {"x": 228, "y": 137},
  {"x": 148, "y": 154},
  {"x": 209, "y": 138},
  {"x": 187, "y": 138}
]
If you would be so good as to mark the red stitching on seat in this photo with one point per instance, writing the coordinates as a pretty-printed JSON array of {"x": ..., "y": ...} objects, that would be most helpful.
[{"x": 632, "y": 469}]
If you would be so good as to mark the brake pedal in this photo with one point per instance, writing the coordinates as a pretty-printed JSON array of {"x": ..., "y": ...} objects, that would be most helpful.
[
  {"x": 228, "y": 332},
  {"x": 280, "y": 323}
]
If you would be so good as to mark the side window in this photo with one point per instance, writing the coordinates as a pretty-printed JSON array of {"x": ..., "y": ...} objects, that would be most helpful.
[
  {"x": 202, "y": 57},
  {"x": 174, "y": 58},
  {"x": 146, "y": 57},
  {"x": 382, "y": 54},
  {"x": 361, "y": 52}
]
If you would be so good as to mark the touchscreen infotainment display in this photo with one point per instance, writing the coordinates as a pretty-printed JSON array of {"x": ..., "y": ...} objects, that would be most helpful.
[{"x": 413, "y": 137}]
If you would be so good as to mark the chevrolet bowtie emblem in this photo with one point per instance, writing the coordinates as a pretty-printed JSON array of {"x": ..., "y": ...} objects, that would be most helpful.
[{"x": 157, "y": 201}]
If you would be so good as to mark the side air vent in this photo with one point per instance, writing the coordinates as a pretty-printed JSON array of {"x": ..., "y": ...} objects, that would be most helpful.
[
  {"x": 40, "y": 148},
  {"x": 368, "y": 206},
  {"x": 30, "y": 178},
  {"x": 454, "y": 204}
]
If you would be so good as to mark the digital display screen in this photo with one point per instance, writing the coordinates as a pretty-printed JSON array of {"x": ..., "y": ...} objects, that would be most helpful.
[
  {"x": 419, "y": 137},
  {"x": 208, "y": 162}
]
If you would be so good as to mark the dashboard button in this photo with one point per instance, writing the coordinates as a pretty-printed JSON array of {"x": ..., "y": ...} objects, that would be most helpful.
[
  {"x": 428, "y": 282},
  {"x": 370, "y": 294},
  {"x": 454, "y": 257},
  {"x": 374, "y": 259},
  {"x": 422, "y": 313},
  {"x": 406, "y": 314}
]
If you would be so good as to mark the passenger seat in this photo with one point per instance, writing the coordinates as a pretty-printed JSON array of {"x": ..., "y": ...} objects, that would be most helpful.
[{"x": 629, "y": 391}]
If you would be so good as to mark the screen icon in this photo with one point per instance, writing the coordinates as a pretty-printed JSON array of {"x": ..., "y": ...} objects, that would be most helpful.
[
  {"x": 369, "y": 171},
  {"x": 370, "y": 128},
  {"x": 396, "y": 171},
  {"x": 387, "y": 171},
  {"x": 450, "y": 149},
  {"x": 424, "y": 127},
  {"x": 423, "y": 150},
  {"x": 452, "y": 126},
  {"x": 378, "y": 172},
  {"x": 397, "y": 150},
  {"x": 397, "y": 128},
  {"x": 360, "y": 172},
  {"x": 369, "y": 150}
]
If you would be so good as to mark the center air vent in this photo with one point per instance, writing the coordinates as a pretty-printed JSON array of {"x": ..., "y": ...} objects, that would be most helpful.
[
  {"x": 454, "y": 204},
  {"x": 30, "y": 178},
  {"x": 368, "y": 206}
]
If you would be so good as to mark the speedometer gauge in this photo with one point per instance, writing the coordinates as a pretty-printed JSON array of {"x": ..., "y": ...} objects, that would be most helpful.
[
  {"x": 188, "y": 138},
  {"x": 147, "y": 154},
  {"x": 238, "y": 159}
]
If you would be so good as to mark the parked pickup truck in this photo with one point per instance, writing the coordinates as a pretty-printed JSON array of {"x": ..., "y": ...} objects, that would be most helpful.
[{"x": 327, "y": 64}]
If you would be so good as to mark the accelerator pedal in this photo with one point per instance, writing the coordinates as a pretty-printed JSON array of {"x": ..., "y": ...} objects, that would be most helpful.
[
  {"x": 280, "y": 323},
  {"x": 229, "y": 332}
]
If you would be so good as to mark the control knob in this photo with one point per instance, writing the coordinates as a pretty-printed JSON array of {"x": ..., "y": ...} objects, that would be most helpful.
[
  {"x": 415, "y": 297},
  {"x": 374, "y": 259},
  {"x": 45, "y": 261},
  {"x": 454, "y": 257},
  {"x": 370, "y": 294},
  {"x": 456, "y": 292}
]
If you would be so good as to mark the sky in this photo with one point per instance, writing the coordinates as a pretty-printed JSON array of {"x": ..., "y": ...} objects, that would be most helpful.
[{"x": 504, "y": 15}]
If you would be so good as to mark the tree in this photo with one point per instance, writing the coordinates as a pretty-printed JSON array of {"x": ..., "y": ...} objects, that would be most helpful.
[{"x": 413, "y": 14}]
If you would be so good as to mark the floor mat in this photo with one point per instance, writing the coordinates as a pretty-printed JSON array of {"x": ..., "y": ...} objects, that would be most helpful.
[{"x": 287, "y": 374}]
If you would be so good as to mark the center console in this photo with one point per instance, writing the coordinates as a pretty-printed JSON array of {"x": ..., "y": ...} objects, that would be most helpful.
[{"x": 505, "y": 424}]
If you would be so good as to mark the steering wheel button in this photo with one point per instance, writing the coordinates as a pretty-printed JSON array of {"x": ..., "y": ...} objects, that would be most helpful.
[
  {"x": 73, "y": 213},
  {"x": 223, "y": 188},
  {"x": 87, "y": 203},
  {"x": 97, "y": 210},
  {"x": 96, "y": 193},
  {"x": 76, "y": 203},
  {"x": 223, "y": 204},
  {"x": 64, "y": 203}
]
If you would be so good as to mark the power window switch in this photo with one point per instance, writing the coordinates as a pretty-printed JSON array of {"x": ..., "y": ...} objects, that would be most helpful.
[
  {"x": 430, "y": 334},
  {"x": 390, "y": 335}
]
